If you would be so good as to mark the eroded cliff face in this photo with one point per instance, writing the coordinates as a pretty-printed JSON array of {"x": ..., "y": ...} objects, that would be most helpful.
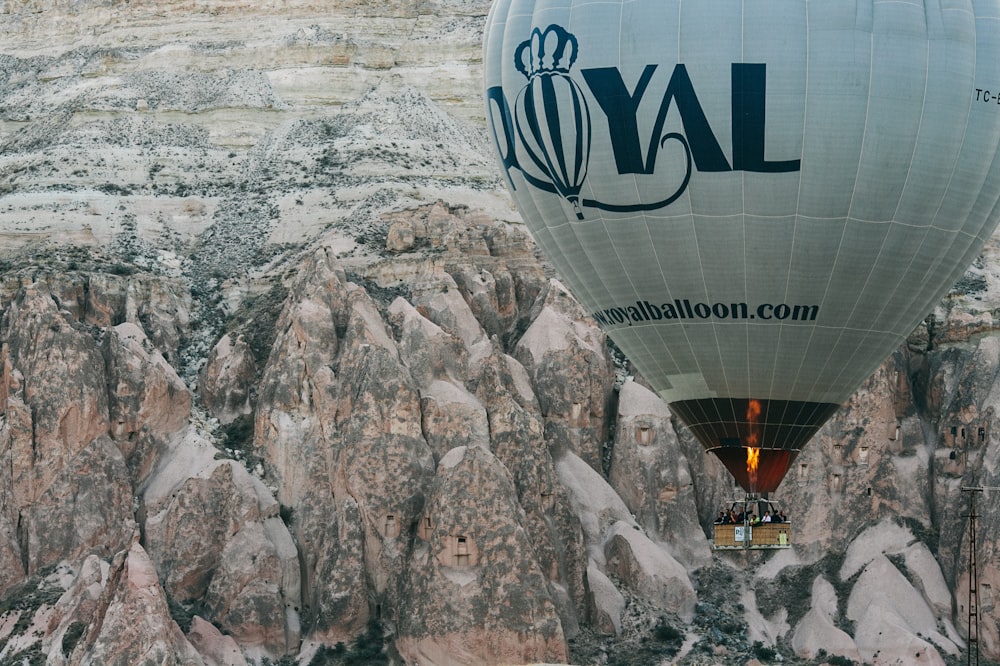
[{"x": 282, "y": 376}]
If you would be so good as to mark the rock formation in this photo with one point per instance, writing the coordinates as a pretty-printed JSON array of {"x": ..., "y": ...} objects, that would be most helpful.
[{"x": 283, "y": 377}]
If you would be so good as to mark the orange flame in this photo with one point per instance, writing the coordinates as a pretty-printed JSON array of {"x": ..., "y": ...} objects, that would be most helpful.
[
  {"x": 753, "y": 452},
  {"x": 753, "y": 459}
]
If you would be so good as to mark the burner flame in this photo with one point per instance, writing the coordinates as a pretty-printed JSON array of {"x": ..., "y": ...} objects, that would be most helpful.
[
  {"x": 753, "y": 451},
  {"x": 753, "y": 459}
]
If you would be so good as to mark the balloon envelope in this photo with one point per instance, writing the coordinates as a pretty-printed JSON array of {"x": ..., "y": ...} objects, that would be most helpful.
[{"x": 756, "y": 200}]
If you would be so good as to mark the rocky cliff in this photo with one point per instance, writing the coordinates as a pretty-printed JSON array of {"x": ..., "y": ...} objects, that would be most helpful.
[{"x": 284, "y": 379}]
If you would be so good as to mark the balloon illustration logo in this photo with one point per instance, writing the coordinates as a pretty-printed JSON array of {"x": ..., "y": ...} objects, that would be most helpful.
[
  {"x": 552, "y": 118},
  {"x": 552, "y": 123}
]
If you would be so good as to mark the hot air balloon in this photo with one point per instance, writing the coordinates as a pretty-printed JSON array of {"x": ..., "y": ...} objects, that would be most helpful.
[{"x": 758, "y": 201}]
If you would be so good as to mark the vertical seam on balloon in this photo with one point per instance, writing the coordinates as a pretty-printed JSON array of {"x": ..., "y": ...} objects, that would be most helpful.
[
  {"x": 666, "y": 285},
  {"x": 743, "y": 216},
  {"x": 625, "y": 272},
  {"x": 863, "y": 344},
  {"x": 655, "y": 358},
  {"x": 920, "y": 295},
  {"x": 701, "y": 265},
  {"x": 691, "y": 213},
  {"x": 794, "y": 381},
  {"x": 798, "y": 205},
  {"x": 968, "y": 115},
  {"x": 891, "y": 222},
  {"x": 850, "y": 209}
]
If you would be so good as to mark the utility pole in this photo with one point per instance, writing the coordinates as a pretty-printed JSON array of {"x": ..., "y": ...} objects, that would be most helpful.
[{"x": 973, "y": 574}]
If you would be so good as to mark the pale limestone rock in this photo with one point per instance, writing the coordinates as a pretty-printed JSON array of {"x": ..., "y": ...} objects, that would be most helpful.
[
  {"x": 651, "y": 474},
  {"x": 253, "y": 591},
  {"x": 63, "y": 386},
  {"x": 148, "y": 394},
  {"x": 517, "y": 438},
  {"x": 212, "y": 530},
  {"x": 135, "y": 621},
  {"x": 337, "y": 396},
  {"x": 886, "y": 537},
  {"x": 401, "y": 237},
  {"x": 594, "y": 501},
  {"x": 850, "y": 475},
  {"x": 215, "y": 536},
  {"x": 564, "y": 353},
  {"x": 648, "y": 571},
  {"x": 816, "y": 630},
  {"x": 766, "y": 630},
  {"x": 298, "y": 388},
  {"x": 148, "y": 402},
  {"x": 215, "y": 648},
  {"x": 884, "y": 638},
  {"x": 444, "y": 305},
  {"x": 226, "y": 380},
  {"x": 334, "y": 571},
  {"x": 66, "y": 487},
  {"x": 881, "y": 583},
  {"x": 428, "y": 351},
  {"x": 927, "y": 575},
  {"x": 163, "y": 307},
  {"x": 160, "y": 305},
  {"x": 15, "y": 426},
  {"x": 491, "y": 295},
  {"x": 78, "y": 605},
  {"x": 379, "y": 419},
  {"x": 87, "y": 508},
  {"x": 473, "y": 593},
  {"x": 104, "y": 304},
  {"x": 452, "y": 416},
  {"x": 439, "y": 362},
  {"x": 186, "y": 533},
  {"x": 11, "y": 567},
  {"x": 605, "y": 603}
]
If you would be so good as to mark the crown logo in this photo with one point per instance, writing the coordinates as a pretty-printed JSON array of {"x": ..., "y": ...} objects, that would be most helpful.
[{"x": 549, "y": 51}]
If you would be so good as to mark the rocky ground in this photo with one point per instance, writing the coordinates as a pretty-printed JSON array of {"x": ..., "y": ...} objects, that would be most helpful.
[{"x": 284, "y": 379}]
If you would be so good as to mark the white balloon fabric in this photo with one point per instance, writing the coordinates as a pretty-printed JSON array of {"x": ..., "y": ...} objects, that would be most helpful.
[{"x": 757, "y": 200}]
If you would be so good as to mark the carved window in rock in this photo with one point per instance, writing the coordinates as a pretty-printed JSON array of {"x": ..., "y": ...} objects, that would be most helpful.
[
  {"x": 644, "y": 435},
  {"x": 838, "y": 452},
  {"x": 390, "y": 526},
  {"x": 982, "y": 435},
  {"x": 424, "y": 528},
  {"x": 576, "y": 415},
  {"x": 548, "y": 499},
  {"x": 836, "y": 483},
  {"x": 803, "y": 474},
  {"x": 462, "y": 555},
  {"x": 863, "y": 455},
  {"x": 985, "y": 597}
]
